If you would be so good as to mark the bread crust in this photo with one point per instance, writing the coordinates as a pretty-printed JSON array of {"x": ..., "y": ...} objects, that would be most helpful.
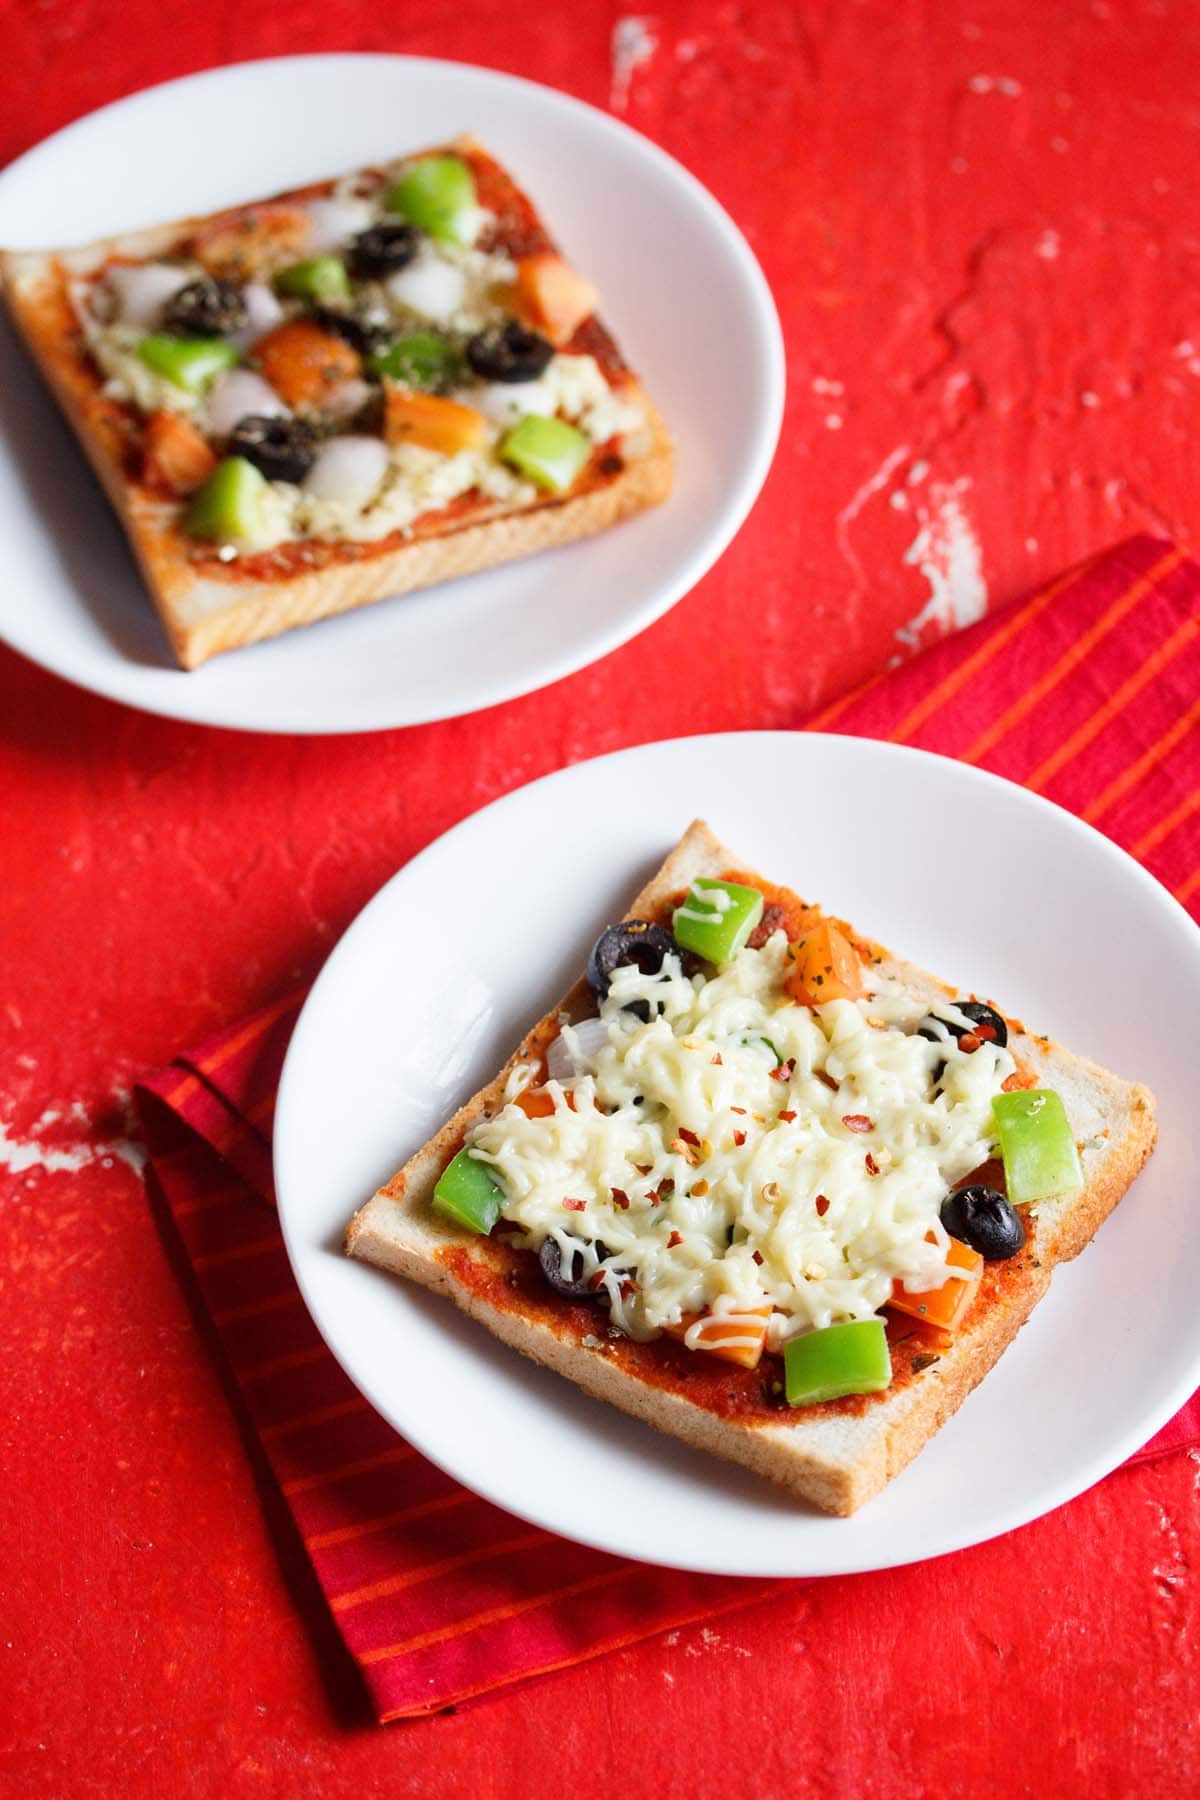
[
  {"x": 834, "y": 1462},
  {"x": 204, "y": 613}
]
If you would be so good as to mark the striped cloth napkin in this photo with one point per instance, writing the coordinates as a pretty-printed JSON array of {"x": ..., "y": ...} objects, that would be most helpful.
[{"x": 1086, "y": 691}]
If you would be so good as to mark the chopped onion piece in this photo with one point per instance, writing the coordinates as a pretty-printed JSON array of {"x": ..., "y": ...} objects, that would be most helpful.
[
  {"x": 347, "y": 470},
  {"x": 143, "y": 291},
  {"x": 507, "y": 402},
  {"x": 239, "y": 394},
  {"x": 334, "y": 222},
  {"x": 563, "y": 1062},
  {"x": 263, "y": 313},
  {"x": 429, "y": 286},
  {"x": 347, "y": 398}
]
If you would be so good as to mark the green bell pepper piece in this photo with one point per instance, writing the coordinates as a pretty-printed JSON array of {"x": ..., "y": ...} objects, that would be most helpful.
[
  {"x": 1040, "y": 1158},
  {"x": 420, "y": 360},
  {"x": 438, "y": 197},
  {"x": 550, "y": 452},
  {"x": 843, "y": 1359},
  {"x": 227, "y": 508},
  {"x": 188, "y": 363},
  {"x": 716, "y": 919},
  {"x": 318, "y": 278},
  {"x": 467, "y": 1193}
]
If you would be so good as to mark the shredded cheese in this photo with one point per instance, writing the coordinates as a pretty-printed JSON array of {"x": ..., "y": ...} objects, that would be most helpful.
[{"x": 739, "y": 1150}]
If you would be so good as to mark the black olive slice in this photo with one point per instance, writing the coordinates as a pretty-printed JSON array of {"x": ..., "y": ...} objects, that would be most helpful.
[
  {"x": 985, "y": 1021},
  {"x": 382, "y": 249},
  {"x": 509, "y": 352},
  {"x": 283, "y": 449},
  {"x": 634, "y": 941},
  {"x": 983, "y": 1219},
  {"x": 209, "y": 307},
  {"x": 572, "y": 1282}
]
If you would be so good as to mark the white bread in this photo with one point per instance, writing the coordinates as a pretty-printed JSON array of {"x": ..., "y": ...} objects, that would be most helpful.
[
  {"x": 205, "y": 610},
  {"x": 836, "y": 1457}
]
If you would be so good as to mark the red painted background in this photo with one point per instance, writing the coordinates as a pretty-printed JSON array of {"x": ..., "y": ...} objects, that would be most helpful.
[{"x": 979, "y": 221}]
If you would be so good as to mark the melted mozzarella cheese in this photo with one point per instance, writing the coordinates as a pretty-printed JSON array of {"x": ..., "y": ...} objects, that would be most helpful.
[{"x": 739, "y": 1150}]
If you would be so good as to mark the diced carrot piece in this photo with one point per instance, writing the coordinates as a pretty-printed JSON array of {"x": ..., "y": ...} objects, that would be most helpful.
[
  {"x": 252, "y": 241},
  {"x": 734, "y": 1337},
  {"x": 552, "y": 296},
  {"x": 536, "y": 1103},
  {"x": 945, "y": 1306},
  {"x": 303, "y": 363},
  {"x": 175, "y": 458},
  {"x": 432, "y": 422},
  {"x": 824, "y": 967}
]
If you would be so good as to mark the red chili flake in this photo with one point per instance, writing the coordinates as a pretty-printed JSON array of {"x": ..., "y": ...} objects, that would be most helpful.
[
  {"x": 654, "y": 1197},
  {"x": 756, "y": 1256},
  {"x": 827, "y": 1079},
  {"x": 858, "y": 1122},
  {"x": 872, "y": 1165},
  {"x": 597, "y": 1281},
  {"x": 689, "y": 1137},
  {"x": 700, "y": 1189},
  {"x": 620, "y": 1198},
  {"x": 787, "y": 1117},
  {"x": 970, "y": 1042},
  {"x": 739, "y": 1138},
  {"x": 738, "y": 1109},
  {"x": 822, "y": 1206},
  {"x": 675, "y": 1238},
  {"x": 987, "y": 1033},
  {"x": 773, "y": 917},
  {"x": 718, "y": 1062},
  {"x": 667, "y": 1185},
  {"x": 628, "y": 1286},
  {"x": 643, "y": 1168},
  {"x": 785, "y": 1070},
  {"x": 575, "y": 1205}
]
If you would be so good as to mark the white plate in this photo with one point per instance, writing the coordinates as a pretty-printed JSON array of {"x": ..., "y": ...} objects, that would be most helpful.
[
  {"x": 966, "y": 874},
  {"x": 682, "y": 292}
]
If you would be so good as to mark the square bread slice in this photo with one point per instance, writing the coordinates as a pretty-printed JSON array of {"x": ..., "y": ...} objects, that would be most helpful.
[
  {"x": 419, "y": 528},
  {"x": 837, "y": 1455}
]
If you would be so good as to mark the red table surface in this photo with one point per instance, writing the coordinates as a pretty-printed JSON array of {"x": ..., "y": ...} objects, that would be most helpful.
[{"x": 979, "y": 223}]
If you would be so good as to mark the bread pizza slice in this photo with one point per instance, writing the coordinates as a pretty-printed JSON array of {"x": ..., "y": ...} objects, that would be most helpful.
[
  {"x": 348, "y": 391},
  {"x": 763, "y": 1185}
]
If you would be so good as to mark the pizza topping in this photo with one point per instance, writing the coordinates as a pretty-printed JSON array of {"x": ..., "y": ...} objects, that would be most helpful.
[
  {"x": 208, "y": 307},
  {"x": 334, "y": 221},
  {"x": 716, "y": 919},
  {"x": 238, "y": 394},
  {"x": 228, "y": 508},
  {"x": 347, "y": 470},
  {"x": 570, "y": 1266},
  {"x": 553, "y": 298},
  {"x": 175, "y": 458},
  {"x": 432, "y": 421},
  {"x": 282, "y": 447},
  {"x": 984, "y": 1220},
  {"x": 142, "y": 290},
  {"x": 633, "y": 941},
  {"x": 437, "y": 194},
  {"x": 421, "y": 359},
  {"x": 549, "y": 451},
  {"x": 967, "y": 1018},
  {"x": 384, "y": 248},
  {"x": 467, "y": 1194},
  {"x": 848, "y": 1358},
  {"x": 1036, "y": 1142},
  {"x": 188, "y": 363},
  {"x": 304, "y": 363},
  {"x": 319, "y": 278},
  {"x": 510, "y": 352}
]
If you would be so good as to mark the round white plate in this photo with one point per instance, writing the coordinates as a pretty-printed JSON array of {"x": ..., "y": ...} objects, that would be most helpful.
[
  {"x": 682, "y": 292},
  {"x": 467, "y": 946}
]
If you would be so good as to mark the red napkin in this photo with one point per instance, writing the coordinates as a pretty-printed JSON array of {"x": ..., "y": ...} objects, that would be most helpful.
[{"x": 1086, "y": 691}]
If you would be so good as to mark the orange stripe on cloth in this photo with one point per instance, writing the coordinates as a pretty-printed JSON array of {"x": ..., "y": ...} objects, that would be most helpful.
[
  {"x": 278, "y": 1365},
  {"x": 494, "y": 1616},
  {"x": 991, "y": 647},
  {"x": 1109, "y": 619},
  {"x": 254, "y": 1309},
  {"x": 1183, "y": 894},
  {"x": 1129, "y": 778},
  {"x": 836, "y": 708},
  {"x": 256, "y": 1027},
  {"x": 345, "y": 1534},
  {"x": 1154, "y": 837},
  {"x": 318, "y": 1415},
  {"x": 395, "y": 1584},
  {"x": 1114, "y": 705},
  {"x": 304, "y": 1484},
  {"x": 217, "y": 1259},
  {"x": 620, "y": 1641}
]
